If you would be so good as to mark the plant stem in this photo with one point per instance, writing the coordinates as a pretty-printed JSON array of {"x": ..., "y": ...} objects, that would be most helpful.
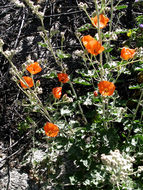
[
  {"x": 125, "y": 64},
  {"x": 91, "y": 62},
  {"x": 111, "y": 17},
  {"x": 47, "y": 40},
  {"x": 110, "y": 28},
  {"x": 100, "y": 38},
  {"x": 138, "y": 104},
  {"x": 102, "y": 69},
  {"x": 46, "y": 114},
  {"x": 81, "y": 111},
  {"x": 51, "y": 49}
]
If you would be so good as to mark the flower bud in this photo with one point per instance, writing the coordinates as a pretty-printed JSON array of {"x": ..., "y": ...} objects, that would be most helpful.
[
  {"x": 18, "y": 3},
  {"x": 1, "y": 45},
  {"x": 78, "y": 53},
  {"x": 40, "y": 91},
  {"x": 95, "y": 93},
  {"x": 9, "y": 53},
  {"x": 11, "y": 71},
  {"x": 66, "y": 98},
  {"x": 14, "y": 78},
  {"x": 63, "y": 35},
  {"x": 20, "y": 73},
  {"x": 78, "y": 34},
  {"x": 140, "y": 169},
  {"x": 29, "y": 60},
  {"x": 40, "y": 14},
  {"x": 83, "y": 6},
  {"x": 24, "y": 66},
  {"x": 37, "y": 83}
]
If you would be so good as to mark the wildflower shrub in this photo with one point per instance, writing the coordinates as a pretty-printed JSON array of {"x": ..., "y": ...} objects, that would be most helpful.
[{"x": 91, "y": 135}]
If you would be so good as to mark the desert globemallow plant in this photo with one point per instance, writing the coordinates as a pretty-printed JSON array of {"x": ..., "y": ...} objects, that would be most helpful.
[{"x": 87, "y": 120}]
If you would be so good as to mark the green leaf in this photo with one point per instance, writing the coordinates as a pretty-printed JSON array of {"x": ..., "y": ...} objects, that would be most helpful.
[
  {"x": 139, "y": 137},
  {"x": 62, "y": 55},
  {"x": 50, "y": 75},
  {"x": 42, "y": 44},
  {"x": 85, "y": 163},
  {"x": 65, "y": 111},
  {"x": 109, "y": 50},
  {"x": 121, "y": 7},
  {"x": 23, "y": 126},
  {"x": 136, "y": 86},
  {"x": 84, "y": 27},
  {"x": 54, "y": 32},
  {"x": 106, "y": 65},
  {"x": 121, "y": 31},
  {"x": 81, "y": 81},
  {"x": 29, "y": 119},
  {"x": 72, "y": 180},
  {"x": 88, "y": 100},
  {"x": 89, "y": 73},
  {"x": 138, "y": 69}
]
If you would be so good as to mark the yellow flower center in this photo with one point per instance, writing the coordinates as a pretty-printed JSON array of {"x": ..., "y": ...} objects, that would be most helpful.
[{"x": 85, "y": 43}]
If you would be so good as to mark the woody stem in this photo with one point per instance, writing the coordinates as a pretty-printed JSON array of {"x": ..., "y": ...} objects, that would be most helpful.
[
  {"x": 139, "y": 102},
  {"x": 101, "y": 63},
  {"x": 47, "y": 41},
  {"x": 100, "y": 38},
  {"x": 125, "y": 64},
  {"x": 81, "y": 111},
  {"x": 110, "y": 28}
]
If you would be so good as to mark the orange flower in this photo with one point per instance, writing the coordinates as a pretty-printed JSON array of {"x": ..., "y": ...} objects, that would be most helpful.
[
  {"x": 57, "y": 92},
  {"x": 102, "y": 21},
  {"x": 93, "y": 46},
  {"x": 63, "y": 77},
  {"x": 28, "y": 80},
  {"x": 51, "y": 130},
  {"x": 34, "y": 68},
  {"x": 106, "y": 88},
  {"x": 127, "y": 53}
]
